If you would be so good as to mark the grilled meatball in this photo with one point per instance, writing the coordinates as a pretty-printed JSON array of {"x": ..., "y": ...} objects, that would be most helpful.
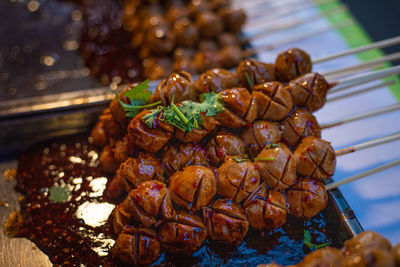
[
  {"x": 230, "y": 56},
  {"x": 98, "y": 135},
  {"x": 186, "y": 32},
  {"x": 149, "y": 139},
  {"x": 216, "y": 80},
  {"x": 117, "y": 111},
  {"x": 260, "y": 134},
  {"x": 233, "y": 19},
  {"x": 306, "y": 198},
  {"x": 365, "y": 240},
  {"x": 184, "y": 234},
  {"x": 292, "y": 63},
  {"x": 112, "y": 128},
  {"x": 160, "y": 39},
  {"x": 315, "y": 158},
  {"x": 176, "y": 157},
  {"x": 240, "y": 108},
  {"x": 299, "y": 124},
  {"x": 274, "y": 101},
  {"x": 178, "y": 85},
  {"x": 224, "y": 144},
  {"x": 149, "y": 202},
  {"x": 309, "y": 90},
  {"x": 277, "y": 166},
  {"x": 266, "y": 209},
  {"x": 209, "y": 24},
  {"x": 120, "y": 219},
  {"x": 193, "y": 188},
  {"x": 107, "y": 161},
  {"x": 396, "y": 254},
  {"x": 122, "y": 150},
  {"x": 205, "y": 60},
  {"x": 155, "y": 68},
  {"x": 257, "y": 72},
  {"x": 369, "y": 257},
  {"x": 208, "y": 125},
  {"x": 137, "y": 246},
  {"x": 226, "y": 222},
  {"x": 237, "y": 180},
  {"x": 327, "y": 256}
]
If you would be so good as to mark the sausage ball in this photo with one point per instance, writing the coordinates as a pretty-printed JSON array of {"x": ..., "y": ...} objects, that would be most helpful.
[
  {"x": 274, "y": 101},
  {"x": 160, "y": 39},
  {"x": 196, "y": 135},
  {"x": 186, "y": 32},
  {"x": 266, "y": 209},
  {"x": 224, "y": 144},
  {"x": 326, "y": 256},
  {"x": 237, "y": 180},
  {"x": 299, "y": 124},
  {"x": 207, "y": 59},
  {"x": 209, "y": 24},
  {"x": 369, "y": 257},
  {"x": 260, "y": 133},
  {"x": 315, "y": 158},
  {"x": 111, "y": 127},
  {"x": 98, "y": 135},
  {"x": 234, "y": 19},
  {"x": 292, "y": 63},
  {"x": 365, "y": 240},
  {"x": 185, "y": 233},
  {"x": 230, "y": 56},
  {"x": 254, "y": 72},
  {"x": 117, "y": 111},
  {"x": 277, "y": 166},
  {"x": 306, "y": 198},
  {"x": 309, "y": 90},
  {"x": 226, "y": 222},
  {"x": 216, "y": 80},
  {"x": 107, "y": 161},
  {"x": 193, "y": 188}
]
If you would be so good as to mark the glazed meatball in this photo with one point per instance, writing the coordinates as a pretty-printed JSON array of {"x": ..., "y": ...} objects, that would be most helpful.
[
  {"x": 369, "y": 257},
  {"x": 266, "y": 209},
  {"x": 178, "y": 85},
  {"x": 230, "y": 56},
  {"x": 137, "y": 246},
  {"x": 299, "y": 124},
  {"x": 256, "y": 71},
  {"x": 155, "y": 68},
  {"x": 98, "y": 135},
  {"x": 396, "y": 254},
  {"x": 306, "y": 198},
  {"x": 234, "y": 19},
  {"x": 228, "y": 39},
  {"x": 176, "y": 157},
  {"x": 149, "y": 202},
  {"x": 111, "y": 127},
  {"x": 224, "y": 144},
  {"x": 260, "y": 134},
  {"x": 193, "y": 188},
  {"x": 122, "y": 150},
  {"x": 226, "y": 222},
  {"x": 216, "y": 80},
  {"x": 160, "y": 39},
  {"x": 326, "y": 256},
  {"x": 365, "y": 240},
  {"x": 208, "y": 125},
  {"x": 117, "y": 111},
  {"x": 309, "y": 90},
  {"x": 315, "y": 158},
  {"x": 120, "y": 219},
  {"x": 274, "y": 101},
  {"x": 237, "y": 180},
  {"x": 292, "y": 63},
  {"x": 186, "y": 33},
  {"x": 240, "y": 108},
  {"x": 209, "y": 24},
  {"x": 185, "y": 233},
  {"x": 277, "y": 166},
  {"x": 149, "y": 139},
  {"x": 207, "y": 59},
  {"x": 107, "y": 161}
]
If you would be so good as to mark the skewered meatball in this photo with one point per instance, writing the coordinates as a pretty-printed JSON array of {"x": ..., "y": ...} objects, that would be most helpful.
[
  {"x": 365, "y": 240},
  {"x": 306, "y": 198},
  {"x": 176, "y": 157},
  {"x": 233, "y": 19},
  {"x": 149, "y": 139},
  {"x": 160, "y": 39},
  {"x": 315, "y": 158},
  {"x": 156, "y": 68},
  {"x": 98, "y": 135},
  {"x": 237, "y": 180},
  {"x": 208, "y": 125},
  {"x": 240, "y": 108},
  {"x": 193, "y": 188},
  {"x": 117, "y": 111},
  {"x": 299, "y": 124},
  {"x": 137, "y": 246},
  {"x": 107, "y": 161},
  {"x": 266, "y": 209},
  {"x": 292, "y": 63},
  {"x": 216, "y": 80},
  {"x": 274, "y": 101},
  {"x": 260, "y": 134},
  {"x": 178, "y": 85},
  {"x": 186, "y": 33},
  {"x": 277, "y": 166},
  {"x": 228, "y": 39},
  {"x": 184, "y": 234},
  {"x": 205, "y": 60},
  {"x": 327, "y": 256},
  {"x": 120, "y": 219},
  {"x": 148, "y": 202},
  {"x": 209, "y": 24},
  {"x": 230, "y": 56},
  {"x": 122, "y": 150},
  {"x": 257, "y": 72},
  {"x": 111, "y": 127},
  {"x": 226, "y": 221},
  {"x": 309, "y": 90},
  {"x": 369, "y": 257},
  {"x": 224, "y": 144},
  {"x": 396, "y": 254}
]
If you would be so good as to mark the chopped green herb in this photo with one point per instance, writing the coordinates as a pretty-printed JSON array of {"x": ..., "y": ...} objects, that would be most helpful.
[
  {"x": 248, "y": 80},
  {"x": 59, "y": 194},
  {"x": 265, "y": 159},
  {"x": 239, "y": 159},
  {"x": 272, "y": 145},
  {"x": 307, "y": 242}
]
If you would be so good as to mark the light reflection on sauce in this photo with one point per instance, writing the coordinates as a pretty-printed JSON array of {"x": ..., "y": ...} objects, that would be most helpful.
[{"x": 94, "y": 214}]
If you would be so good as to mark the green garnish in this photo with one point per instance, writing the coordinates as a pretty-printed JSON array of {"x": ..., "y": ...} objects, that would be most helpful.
[
  {"x": 248, "y": 80},
  {"x": 138, "y": 97},
  {"x": 265, "y": 159},
  {"x": 307, "y": 242},
  {"x": 239, "y": 159},
  {"x": 59, "y": 194},
  {"x": 272, "y": 145}
]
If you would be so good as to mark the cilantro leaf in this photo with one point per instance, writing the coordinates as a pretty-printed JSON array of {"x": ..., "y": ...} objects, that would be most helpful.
[
  {"x": 249, "y": 81},
  {"x": 59, "y": 194},
  {"x": 309, "y": 244},
  {"x": 272, "y": 145}
]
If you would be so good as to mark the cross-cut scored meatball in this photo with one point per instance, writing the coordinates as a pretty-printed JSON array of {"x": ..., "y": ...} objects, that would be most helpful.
[
  {"x": 193, "y": 188},
  {"x": 216, "y": 80},
  {"x": 226, "y": 221},
  {"x": 137, "y": 246},
  {"x": 185, "y": 233},
  {"x": 266, "y": 209},
  {"x": 237, "y": 180},
  {"x": 292, "y": 63},
  {"x": 299, "y": 124},
  {"x": 274, "y": 101},
  {"x": 277, "y": 166},
  {"x": 224, "y": 144},
  {"x": 256, "y": 71},
  {"x": 112, "y": 128},
  {"x": 315, "y": 158},
  {"x": 176, "y": 157},
  {"x": 196, "y": 135},
  {"x": 261, "y": 133},
  {"x": 306, "y": 198},
  {"x": 234, "y": 19},
  {"x": 209, "y": 24}
]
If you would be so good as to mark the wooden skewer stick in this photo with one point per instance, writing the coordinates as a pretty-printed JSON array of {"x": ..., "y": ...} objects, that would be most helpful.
[{"x": 362, "y": 175}]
